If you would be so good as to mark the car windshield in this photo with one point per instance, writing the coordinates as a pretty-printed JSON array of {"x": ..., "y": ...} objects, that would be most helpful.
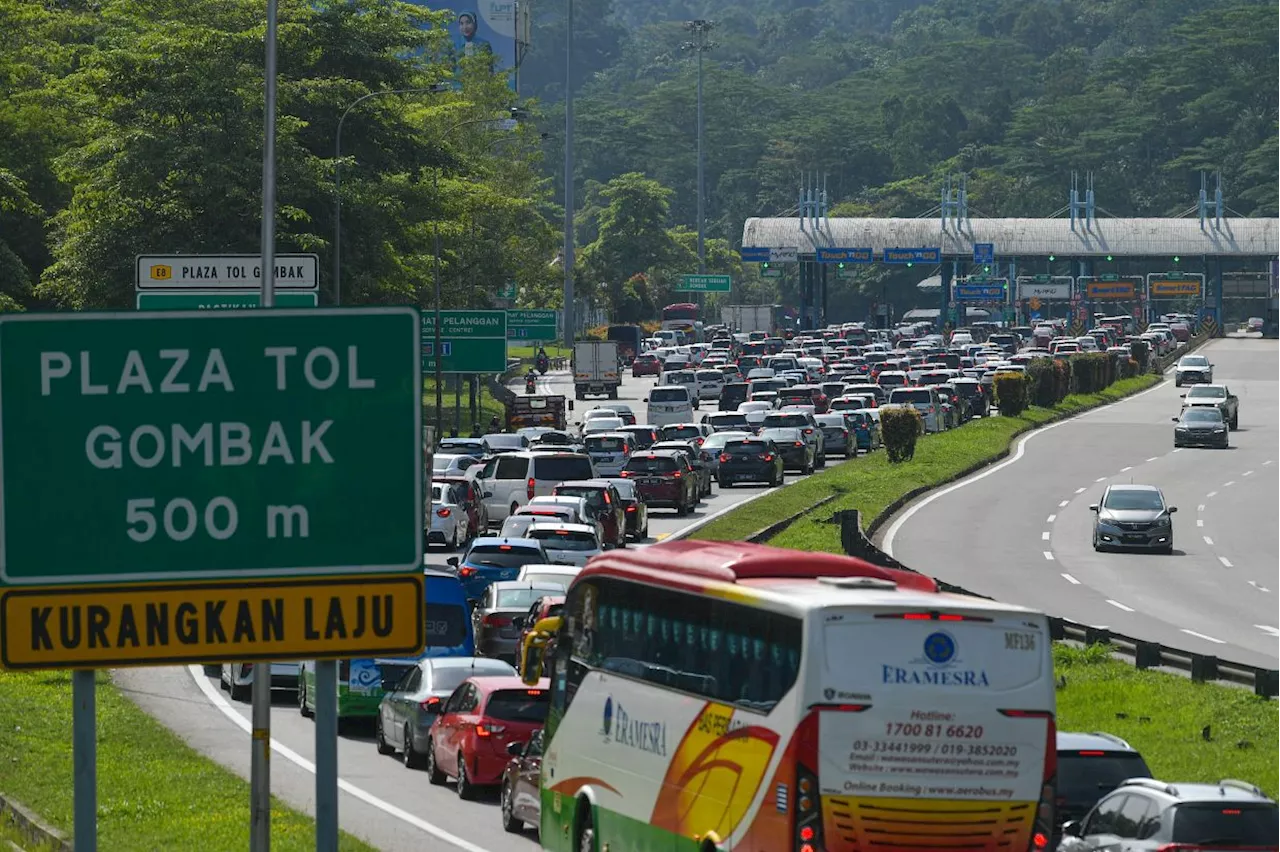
[
  {"x": 566, "y": 539},
  {"x": 797, "y": 420},
  {"x": 626, "y": 488},
  {"x": 1195, "y": 361},
  {"x": 651, "y": 464},
  {"x": 605, "y": 445},
  {"x": 443, "y": 493},
  {"x": 594, "y": 496},
  {"x": 519, "y": 598},
  {"x": 748, "y": 446},
  {"x": 444, "y": 462},
  {"x": 1235, "y": 823},
  {"x": 1084, "y": 776},
  {"x": 1133, "y": 499},
  {"x": 1202, "y": 415},
  {"x": 836, "y": 421},
  {"x": 673, "y": 432},
  {"x": 670, "y": 394},
  {"x": 715, "y": 442},
  {"x": 710, "y": 376},
  {"x": 446, "y": 675},
  {"x": 561, "y": 580},
  {"x": 780, "y": 435},
  {"x": 519, "y": 705},
  {"x": 504, "y": 555},
  {"x": 561, "y": 468},
  {"x": 1207, "y": 392}
]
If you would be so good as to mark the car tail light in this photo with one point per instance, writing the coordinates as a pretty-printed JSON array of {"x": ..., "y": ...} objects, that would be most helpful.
[
  {"x": 631, "y": 508},
  {"x": 443, "y": 513},
  {"x": 466, "y": 571},
  {"x": 487, "y": 729},
  {"x": 431, "y": 705},
  {"x": 495, "y": 620},
  {"x": 724, "y": 457},
  {"x": 677, "y": 475},
  {"x": 767, "y": 457},
  {"x": 808, "y": 431},
  {"x": 799, "y": 443},
  {"x": 246, "y": 668},
  {"x": 624, "y": 474},
  {"x": 530, "y": 486}
]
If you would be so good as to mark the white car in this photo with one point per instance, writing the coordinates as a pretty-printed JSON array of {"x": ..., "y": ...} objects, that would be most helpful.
[
  {"x": 567, "y": 544},
  {"x": 1193, "y": 369},
  {"x": 600, "y": 425},
  {"x": 609, "y": 451},
  {"x": 598, "y": 412},
  {"x": 448, "y": 518},
  {"x": 755, "y": 410},
  {"x": 760, "y": 373},
  {"x": 452, "y": 464},
  {"x": 558, "y": 575},
  {"x": 687, "y": 379},
  {"x": 237, "y": 678},
  {"x": 710, "y": 383}
]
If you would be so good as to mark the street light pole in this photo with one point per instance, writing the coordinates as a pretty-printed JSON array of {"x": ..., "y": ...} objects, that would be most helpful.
[
  {"x": 568, "y": 179},
  {"x": 337, "y": 175},
  {"x": 700, "y": 29}
]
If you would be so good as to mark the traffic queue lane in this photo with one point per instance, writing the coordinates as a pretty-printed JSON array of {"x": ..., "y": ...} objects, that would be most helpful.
[
  {"x": 1021, "y": 532},
  {"x": 381, "y": 801}
]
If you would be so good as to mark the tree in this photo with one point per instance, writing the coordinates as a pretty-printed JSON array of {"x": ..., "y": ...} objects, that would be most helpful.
[{"x": 632, "y": 234}]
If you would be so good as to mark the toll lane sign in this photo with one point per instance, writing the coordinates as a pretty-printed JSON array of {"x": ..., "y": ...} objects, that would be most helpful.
[
  {"x": 96, "y": 626},
  {"x": 140, "y": 447}
]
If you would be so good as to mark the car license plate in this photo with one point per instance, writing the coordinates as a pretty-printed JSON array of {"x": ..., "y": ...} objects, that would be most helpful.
[
  {"x": 1135, "y": 539},
  {"x": 652, "y": 481}
]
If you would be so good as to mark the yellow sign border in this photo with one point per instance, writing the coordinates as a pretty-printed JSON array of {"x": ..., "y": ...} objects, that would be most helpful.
[{"x": 288, "y": 598}]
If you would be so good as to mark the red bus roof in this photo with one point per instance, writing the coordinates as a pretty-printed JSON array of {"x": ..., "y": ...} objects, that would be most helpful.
[{"x": 676, "y": 563}]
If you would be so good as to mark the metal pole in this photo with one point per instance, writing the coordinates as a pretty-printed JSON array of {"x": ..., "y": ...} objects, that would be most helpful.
[
  {"x": 439, "y": 356},
  {"x": 260, "y": 744},
  {"x": 84, "y": 758},
  {"x": 326, "y": 699},
  {"x": 337, "y": 211},
  {"x": 568, "y": 179},
  {"x": 702, "y": 252}
]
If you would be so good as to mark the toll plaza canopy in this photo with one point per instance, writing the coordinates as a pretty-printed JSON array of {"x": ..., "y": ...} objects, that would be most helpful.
[{"x": 1230, "y": 237}]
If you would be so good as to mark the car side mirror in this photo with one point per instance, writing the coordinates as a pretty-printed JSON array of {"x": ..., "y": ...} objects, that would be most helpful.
[
  {"x": 488, "y": 494},
  {"x": 1172, "y": 509},
  {"x": 646, "y": 399},
  {"x": 1093, "y": 507},
  {"x": 1071, "y": 828},
  {"x": 515, "y": 749},
  {"x": 518, "y": 622},
  {"x": 1182, "y": 396},
  {"x": 1174, "y": 419},
  {"x": 452, "y": 560}
]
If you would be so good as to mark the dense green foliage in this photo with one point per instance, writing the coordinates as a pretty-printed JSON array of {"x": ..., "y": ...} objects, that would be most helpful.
[
  {"x": 1011, "y": 393},
  {"x": 132, "y": 127},
  {"x": 889, "y": 96},
  {"x": 901, "y": 426}
]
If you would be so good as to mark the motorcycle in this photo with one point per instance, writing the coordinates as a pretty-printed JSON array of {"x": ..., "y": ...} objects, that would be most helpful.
[
  {"x": 530, "y": 385},
  {"x": 543, "y": 364}
]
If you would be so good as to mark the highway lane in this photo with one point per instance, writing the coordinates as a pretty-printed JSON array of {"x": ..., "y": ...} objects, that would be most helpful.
[
  {"x": 380, "y": 801},
  {"x": 1021, "y": 531}
]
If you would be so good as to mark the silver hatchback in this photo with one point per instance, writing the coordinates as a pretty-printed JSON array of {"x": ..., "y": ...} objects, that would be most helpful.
[{"x": 1133, "y": 517}]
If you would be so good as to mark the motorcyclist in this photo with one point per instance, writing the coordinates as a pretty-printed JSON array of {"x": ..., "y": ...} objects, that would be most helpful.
[
  {"x": 542, "y": 361},
  {"x": 531, "y": 382},
  {"x": 494, "y": 424}
]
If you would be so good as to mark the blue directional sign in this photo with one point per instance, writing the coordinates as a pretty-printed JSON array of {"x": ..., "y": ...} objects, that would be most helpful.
[
  {"x": 984, "y": 252},
  {"x": 846, "y": 255},
  {"x": 988, "y": 291},
  {"x": 754, "y": 254},
  {"x": 913, "y": 255}
]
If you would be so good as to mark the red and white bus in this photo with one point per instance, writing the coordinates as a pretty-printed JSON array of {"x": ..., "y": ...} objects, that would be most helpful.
[
  {"x": 683, "y": 316},
  {"x": 712, "y": 696}
]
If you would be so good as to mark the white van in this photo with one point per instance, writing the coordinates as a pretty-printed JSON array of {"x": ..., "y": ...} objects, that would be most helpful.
[
  {"x": 513, "y": 479},
  {"x": 669, "y": 404},
  {"x": 609, "y": 451}
]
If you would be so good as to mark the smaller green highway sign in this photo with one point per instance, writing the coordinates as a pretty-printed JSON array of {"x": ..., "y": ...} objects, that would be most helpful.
[
  {"x": 150, "y": 301},
  {"x": 223, "y": 445},
  {"x": 470, "y": 341},
  {"x": 703, "y": 284},
  {"x": 531, "y": 325}
]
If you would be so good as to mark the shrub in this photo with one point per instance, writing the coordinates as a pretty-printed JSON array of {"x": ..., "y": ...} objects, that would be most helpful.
[
  {"x": 1141, "y": 352},
  {"x": 900, "y": 428},
  {"x": 1062, "y": 373},
  {"x": 1042, "y": 376},
  {"x": 1011, "y": 393},
  {"x": 1092, "y": 372}
]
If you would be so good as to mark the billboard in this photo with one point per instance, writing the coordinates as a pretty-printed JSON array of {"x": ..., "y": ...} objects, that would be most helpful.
[{"x": 496, "y": 28}]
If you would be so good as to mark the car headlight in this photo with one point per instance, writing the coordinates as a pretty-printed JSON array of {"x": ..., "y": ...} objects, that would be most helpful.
[
  {"x": 1180, "y": 428},
  {"x": 1218, "y": 429},
  {"x": 1164, "y": 521}
]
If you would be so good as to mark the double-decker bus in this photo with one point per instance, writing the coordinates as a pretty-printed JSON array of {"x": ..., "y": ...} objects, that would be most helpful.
[
  {"x": 713, "y": 696},
  {"x": 683, "y": 316}
]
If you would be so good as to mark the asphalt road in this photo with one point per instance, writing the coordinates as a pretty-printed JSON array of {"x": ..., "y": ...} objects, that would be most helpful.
[
  {"x": 381, "y": 802},
  {"x": 1021, "y": 530}
]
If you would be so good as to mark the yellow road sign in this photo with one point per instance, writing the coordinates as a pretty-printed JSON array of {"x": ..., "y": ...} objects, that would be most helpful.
[
  {"x": 161, "y": 272},
  {"x": 1034, "y": 303},
  {"x": 136, "y": 625}
]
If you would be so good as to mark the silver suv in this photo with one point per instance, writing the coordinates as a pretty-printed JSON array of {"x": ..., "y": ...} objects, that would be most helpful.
[
  {"x": 808, "y": 426},
  {"x": 1144, "y": 815}
]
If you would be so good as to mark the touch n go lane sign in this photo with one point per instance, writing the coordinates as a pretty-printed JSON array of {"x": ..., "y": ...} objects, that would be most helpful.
[{"x": 154, "y": 453}]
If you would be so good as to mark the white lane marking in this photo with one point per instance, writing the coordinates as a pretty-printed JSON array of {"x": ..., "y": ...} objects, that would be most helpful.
[
  {"x": 1199, "y": 522},
  {"x": 1044, "y": 536},
  {"x": 892, "y": 532},
  {"x": 1079, "y": 490},
  {"x": 1050, "y": 519},
  {"x": 1119, "y": 605},
  {"x": 1200, "y": 508},
  {"x": 1072, "y": 580},
  {"x": 1178, "y": 450},
  {"x": 1254, "y": 583},
  {"x": 1212, "y": 494},
  {"x": 1268, "y": 629},
  {"x": 1063, "y": 503},
  {"x": 1154, "y": 458},
  {"x": 1099, "y": 479},
  {"x": 1207, "y": 540},
  {"x": 217, "y": 700},
  {"x": 1202, "y": 636},
  {"x": 1226, "y": 563},
  {"x": 1048, "y": 554},
  {"x": 1267, "y": 462},
  {"x": 1228, "y": 484},
  {"x": 1247, "y": 473},
  {"x": 1126, "y": 469}
]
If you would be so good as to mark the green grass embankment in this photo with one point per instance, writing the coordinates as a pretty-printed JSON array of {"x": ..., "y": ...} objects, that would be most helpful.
[
  {"x": 154, "y": 791},
  {"x": 871, "y": 484}
]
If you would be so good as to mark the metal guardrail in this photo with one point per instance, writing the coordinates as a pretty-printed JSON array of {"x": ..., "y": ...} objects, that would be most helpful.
[{"x": 1143, "y": 654}]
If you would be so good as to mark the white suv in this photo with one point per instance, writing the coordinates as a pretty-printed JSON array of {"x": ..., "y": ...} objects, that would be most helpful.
[
  {"x": 710, "y": 383},
  {"x": 513, "y": 479}
]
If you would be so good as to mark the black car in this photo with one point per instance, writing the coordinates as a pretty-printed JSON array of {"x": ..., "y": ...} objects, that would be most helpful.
[
  {"x": 750, "y": 460},
  {"x": 732, "y": 395},
  {"x": 634, "y": 508},
  {"x": 1089, "y": 767},
  {"x": 1200, "y": 427},
  {"x": 796, "y": 452},
  {"x": 973, "y": 392}
]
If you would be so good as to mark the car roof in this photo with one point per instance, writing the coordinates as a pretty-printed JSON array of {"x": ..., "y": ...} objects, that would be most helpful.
[
  {"x": 1132, "y": 487},
  {"x": 614, "y": 434},
  {"x": 1092, "y": 741},
  {"x": 460, "y": 662},
  {"x": 584, "y": 483},
  {"x": 494, "y": 683},
  {"x": 551, "y": 568},
  {"x": 494, "y": 540},
  {"x": 1226, "y": 790},
  {"x": 561, "y": 525}
]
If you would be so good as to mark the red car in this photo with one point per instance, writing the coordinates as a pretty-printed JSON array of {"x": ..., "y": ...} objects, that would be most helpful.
[
  {"x": 646, "y": 365},
  {"x": 663, "y": 478},
  {"x": 470, "y": 737}
]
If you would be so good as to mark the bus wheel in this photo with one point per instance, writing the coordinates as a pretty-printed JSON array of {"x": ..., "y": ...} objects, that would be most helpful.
[{"x": 586, "y": 830}]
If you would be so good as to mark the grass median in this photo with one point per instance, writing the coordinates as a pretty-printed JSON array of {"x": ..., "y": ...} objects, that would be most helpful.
[
  {"x": 1165, "y": 717},
  {"x": 870, "y": 484},
  {"x": 154, "y": 791},
  {"x": 456, "y": 409}
]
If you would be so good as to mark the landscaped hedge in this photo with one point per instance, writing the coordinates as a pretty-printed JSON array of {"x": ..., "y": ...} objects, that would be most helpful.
[
  {"x": 1043, "y": 377},
  {"x": 1140, "y": 351},
  {"x": 1092, "y": 372},
  {"x": 1011, "y": 393},
  {"x": 900, "y": 428}
]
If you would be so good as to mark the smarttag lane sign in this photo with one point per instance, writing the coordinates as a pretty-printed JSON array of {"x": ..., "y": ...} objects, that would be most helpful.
[{"x": 155, "y": 446}]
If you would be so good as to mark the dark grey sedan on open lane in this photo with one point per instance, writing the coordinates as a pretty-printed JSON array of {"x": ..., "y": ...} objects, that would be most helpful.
[{"x": 1133, "y": 517}]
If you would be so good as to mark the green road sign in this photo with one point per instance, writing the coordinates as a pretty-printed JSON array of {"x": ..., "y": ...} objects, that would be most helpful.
[
  {"x": 219, "y": 301},
  {"x": 508, "y": 291},
  {"x": 531, "y": 325},
  {"x": 472, "y": 341},
  {"x": 845, "y": 273},
  {"x": 223, "y": 445},
  {"x": 703, "y": 284}
]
